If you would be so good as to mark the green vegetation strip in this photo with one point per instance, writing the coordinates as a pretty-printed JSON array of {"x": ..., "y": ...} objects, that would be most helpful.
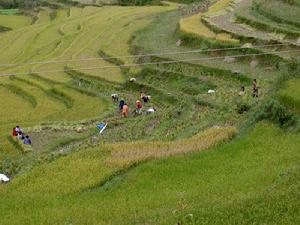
[
  {"x": 4, "y": 29},
  {"x": 8, "y": 11},
  {"x": 21, "y": 93},
  {"x": 110, "y": 59},
  {"x": 51, "y": 92}
]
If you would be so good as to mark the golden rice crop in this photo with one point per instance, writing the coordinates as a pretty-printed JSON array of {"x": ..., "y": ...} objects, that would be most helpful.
[{"x": 126, "y": 154}]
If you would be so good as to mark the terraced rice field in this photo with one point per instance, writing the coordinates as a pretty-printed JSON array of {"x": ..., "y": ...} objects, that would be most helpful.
[
  {"x": 226, "y": 23},
  {"x": 250, "y": 16},
  {"x": 194, "y": 25},
  {"x": 79, "y": 94},
  {"x": 251, "y": 180},
  {"x": 279, "y": 11},
  {"x": 53, "y": 97}
]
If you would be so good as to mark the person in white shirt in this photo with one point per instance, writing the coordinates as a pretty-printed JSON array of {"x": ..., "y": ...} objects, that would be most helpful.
[
  {"x": 3, "y": 178},
  {"x": 115, "y": 97},
  {"x": 151, "y": 110},
  {"x": 17, "y": 129}
]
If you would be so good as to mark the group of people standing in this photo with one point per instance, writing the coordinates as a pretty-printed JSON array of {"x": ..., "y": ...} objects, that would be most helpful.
[
  {"x": 124, "y": 108},
  {"x": 19, "y": 134}
]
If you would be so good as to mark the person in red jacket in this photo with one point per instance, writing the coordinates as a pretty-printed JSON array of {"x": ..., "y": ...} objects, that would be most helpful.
[{"x": 14, "y": 132}]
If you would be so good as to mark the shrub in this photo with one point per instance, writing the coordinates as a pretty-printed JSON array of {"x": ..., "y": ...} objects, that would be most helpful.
[
  {"x": 274, "y": 111},
  {"x": 242, "y": 107}
]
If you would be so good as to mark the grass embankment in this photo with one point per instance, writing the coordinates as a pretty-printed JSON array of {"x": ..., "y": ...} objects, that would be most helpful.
[{"x": 251, "y": 180}]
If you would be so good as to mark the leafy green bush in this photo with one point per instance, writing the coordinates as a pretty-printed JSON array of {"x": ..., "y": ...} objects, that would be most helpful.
[
  {"x": 242, "y": 107},
  {"x": 276, "y": 112}
]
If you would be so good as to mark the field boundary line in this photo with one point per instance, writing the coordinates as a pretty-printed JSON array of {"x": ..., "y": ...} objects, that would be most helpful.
[{"x": 144, "y": 55}]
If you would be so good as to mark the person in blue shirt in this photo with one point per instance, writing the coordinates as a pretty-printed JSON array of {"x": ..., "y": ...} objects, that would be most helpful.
[{"x": 27, "y": 140}]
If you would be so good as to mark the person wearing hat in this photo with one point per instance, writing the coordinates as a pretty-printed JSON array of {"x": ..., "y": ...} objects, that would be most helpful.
[{"x": 138, "y": 107}]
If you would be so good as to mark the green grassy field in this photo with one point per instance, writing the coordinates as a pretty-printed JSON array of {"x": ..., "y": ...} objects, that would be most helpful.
[
  {"x": 14, "y": 21},
  {"x": 254, "y": 179},
  {"x": 199, "y": 159}
]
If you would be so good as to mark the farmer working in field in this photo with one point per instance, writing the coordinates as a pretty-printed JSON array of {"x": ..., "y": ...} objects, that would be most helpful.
[
  {"x": 18, "y": 129},
  {"x": 125, "y": 110},
  {"x": 121, "y": 104},
  {"x": 21, "y": 135},
  {"x": 27, "y": 140},
  {"x": 145, "y": 98},
  {"x": 242, "y": 91},
  {"x": 115, "y": 97},
  {"x": 138, "y": 107},
  {"x": 255, "y": 89},
  {"x": 14, "y": 132},
  {"x": 151, "y": 110}
]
